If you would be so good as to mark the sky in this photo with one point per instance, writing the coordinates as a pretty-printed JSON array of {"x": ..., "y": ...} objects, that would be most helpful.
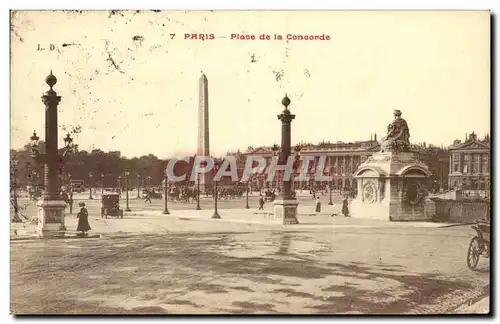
[{"x": 133, "y": 88}]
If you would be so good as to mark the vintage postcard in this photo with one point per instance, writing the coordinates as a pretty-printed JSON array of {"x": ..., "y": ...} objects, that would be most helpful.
[{"x": 250, "y": 162}]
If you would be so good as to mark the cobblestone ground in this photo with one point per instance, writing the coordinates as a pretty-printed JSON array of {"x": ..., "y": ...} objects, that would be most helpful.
[{"x": 201, "y": 266}]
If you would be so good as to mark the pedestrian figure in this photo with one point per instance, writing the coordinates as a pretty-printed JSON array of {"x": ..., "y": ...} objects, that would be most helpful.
[
  {"x": 318, "y": 205},
  {"x": 261, "y": 203},
  {"x": 148, "y": 197},
  {"x": 345, "y": 207},
  {"x": 314, "y": 194},
  {"x": 83, "y": 220}
]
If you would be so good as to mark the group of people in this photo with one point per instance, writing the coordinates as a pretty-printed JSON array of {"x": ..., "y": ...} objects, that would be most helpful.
[{"x": 345, "y": 207}]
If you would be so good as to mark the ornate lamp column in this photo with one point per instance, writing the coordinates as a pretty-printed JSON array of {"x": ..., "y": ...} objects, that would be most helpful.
[
  {"x": 102, "y": 183},
  {"x": 138, "y": 186},
  {"x": 216, "y": 213},
  {"x": 127, "y": 174},
  {"x": 165, "y": 211},
  {"x": 90, "y": 179},
  {"x": 248, "y": 189},
  {"x": 13, "y": 188},
  {"x": 51, "y": 206},
  {"x": 119, "y": 184},
  {"x": 198, "y": 193},
  {"x": 330, "y": 185},
  {"x": 286, "y": 205},
  {"x": 297, "y": 150},
  {"x": 70, "y": 186},
  {"x": 275, "y": 150}
]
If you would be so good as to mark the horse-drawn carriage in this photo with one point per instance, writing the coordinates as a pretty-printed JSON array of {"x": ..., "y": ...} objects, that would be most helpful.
[
  {"x": 152, "y": 194},
  {"x": 111, "y": 206},
  {"x": 480, "y": 244}
]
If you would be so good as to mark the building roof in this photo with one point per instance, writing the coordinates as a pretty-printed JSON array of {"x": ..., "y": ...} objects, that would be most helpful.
[{"x": 471, "y": 145}]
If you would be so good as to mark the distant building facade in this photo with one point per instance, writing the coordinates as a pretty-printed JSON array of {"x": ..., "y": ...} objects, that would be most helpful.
[
  {"x": 343, "y": 159},
  {"x": 469, "y": 163}
]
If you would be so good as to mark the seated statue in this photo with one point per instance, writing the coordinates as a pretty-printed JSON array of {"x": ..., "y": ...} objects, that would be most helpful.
[{"x": 398, "y": 135}]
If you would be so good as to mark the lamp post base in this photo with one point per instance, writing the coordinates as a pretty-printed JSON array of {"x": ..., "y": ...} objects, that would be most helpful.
[
  {"x": 128, "y": 209},
  {"x": 198, "y": 207},
  {"x": 166, "y": 212},
  {"x": 286, "y": 209},
  {"x": 51, "y": 217},
  {"x": 216, "y": 215}
]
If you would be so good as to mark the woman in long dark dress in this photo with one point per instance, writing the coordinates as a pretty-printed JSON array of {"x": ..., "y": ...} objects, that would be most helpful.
[
  {"x": 318, "y": 205},
  {"x": 345, "y": 207},
  {"x": 83, "y": 220}
]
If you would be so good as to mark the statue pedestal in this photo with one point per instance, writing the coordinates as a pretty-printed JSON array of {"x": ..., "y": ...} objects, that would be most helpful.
[
  {"x": 286, "y": 210},
  {"x": 51, "y": 217},
  {"x": 392, "y": 186}
]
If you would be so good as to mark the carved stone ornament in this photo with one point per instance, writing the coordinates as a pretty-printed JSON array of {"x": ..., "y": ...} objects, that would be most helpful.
[
  {"x": 413, "y": 193},
  {"x": 369, "y": 192}
]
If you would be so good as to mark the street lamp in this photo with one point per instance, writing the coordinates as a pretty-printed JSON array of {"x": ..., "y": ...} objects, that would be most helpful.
[
  {"x": 286, "y": 205},
  {"x": 102, "y": 183},
  {"x": 330, "y": 184},
  {"x": 90, "y": 195},
  {"x": 297, "y": 150},
  {"x": 216, "y": 214},
  {"x": 127, "y": 174},
  {"x": 248, "y": 187},
  {"x": 275, "y": 148},
  {"x": 70, "y": 186},
  {"x": 165, "y": 211},
  {"x": 138, "y": 185},
  {"x": 149, "y": 182},
  {"x": 119, "y": 184},
  {"x": 51, "y": 206},
  {"x": 15, "y": 205},
  {"x": 198, "y": 193}
]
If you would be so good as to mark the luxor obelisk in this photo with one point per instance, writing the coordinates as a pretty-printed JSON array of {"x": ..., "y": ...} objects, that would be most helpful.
[{"x": 203, "y": 131}]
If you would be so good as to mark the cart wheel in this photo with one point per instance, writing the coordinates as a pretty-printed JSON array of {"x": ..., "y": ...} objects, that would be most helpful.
[{"x": 473, "y": 253}]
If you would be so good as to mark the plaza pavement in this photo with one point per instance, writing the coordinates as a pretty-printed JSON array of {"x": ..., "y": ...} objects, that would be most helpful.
[
  {"x": 245, "y": 263},
  {"x": 149, "y": 218}
]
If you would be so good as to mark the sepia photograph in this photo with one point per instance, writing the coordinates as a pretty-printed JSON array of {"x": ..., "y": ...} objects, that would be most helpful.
[{"x": 250, "y": 162}]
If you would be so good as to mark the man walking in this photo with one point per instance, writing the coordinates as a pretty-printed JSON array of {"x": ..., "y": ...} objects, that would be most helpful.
[{"x": 261, "y": 203}]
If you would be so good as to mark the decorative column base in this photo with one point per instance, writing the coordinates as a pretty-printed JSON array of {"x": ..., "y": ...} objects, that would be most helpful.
[
  {"x": 286, "y": 210},
  {"x": 51, "y": 217}
]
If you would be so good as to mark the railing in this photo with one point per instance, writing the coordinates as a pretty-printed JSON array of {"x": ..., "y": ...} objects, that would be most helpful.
[{"x": 462, "y": 211}]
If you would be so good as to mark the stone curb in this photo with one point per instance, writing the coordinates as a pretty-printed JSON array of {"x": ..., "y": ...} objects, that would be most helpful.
[
  {"x": 52, "y": 237},
  {"x": 449, "y": 303}
]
